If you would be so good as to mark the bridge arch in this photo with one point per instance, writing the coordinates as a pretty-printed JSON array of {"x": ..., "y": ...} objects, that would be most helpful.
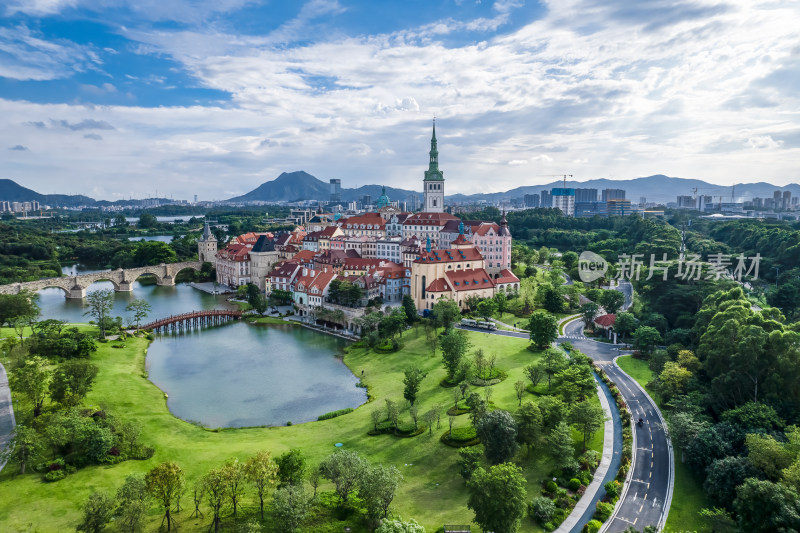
[
  {"x": 44, "y": 286},
  {"x": 100, "y": 279},
  {"x": 176, "y": 272}
]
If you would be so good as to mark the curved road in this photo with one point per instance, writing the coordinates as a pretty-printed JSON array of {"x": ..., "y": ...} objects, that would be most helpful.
[{"x": 643, "y": 503}]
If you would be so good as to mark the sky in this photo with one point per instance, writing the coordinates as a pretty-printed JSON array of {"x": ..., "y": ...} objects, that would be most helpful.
[{"x": 117, "y": 99}]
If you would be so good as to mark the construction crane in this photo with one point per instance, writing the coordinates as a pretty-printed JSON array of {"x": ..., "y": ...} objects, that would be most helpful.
[{"x": 564, "y": 176}]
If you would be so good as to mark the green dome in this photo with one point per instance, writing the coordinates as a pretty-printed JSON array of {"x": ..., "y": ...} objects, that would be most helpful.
[{"x": 383, "y": 200}]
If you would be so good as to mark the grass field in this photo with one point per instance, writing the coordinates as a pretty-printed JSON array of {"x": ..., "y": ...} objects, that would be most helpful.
[
  {"x": 432, "y": 492},
  {"x": 688, "y": 496}
]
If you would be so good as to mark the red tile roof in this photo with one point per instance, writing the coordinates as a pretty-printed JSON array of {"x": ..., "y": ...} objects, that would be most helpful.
[
  {"x": 506, "y": 276},
  {"x": 468, "y": 280},
  {"x": 606, "y": 321},
  {"x": 304, "y": 256},
  {"x": 235, "y": 252},
  {"x": 368, "y": 220},
  {"x": 429, "y": 219},
  {"x": 461, "y": 240},
  {"x": 449, "y": 256}
]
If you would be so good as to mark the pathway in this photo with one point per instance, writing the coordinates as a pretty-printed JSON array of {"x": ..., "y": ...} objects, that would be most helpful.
[{"x": 7, "y": 421}]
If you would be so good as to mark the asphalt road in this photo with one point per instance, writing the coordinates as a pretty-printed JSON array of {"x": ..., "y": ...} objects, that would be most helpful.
[{"x": 643, "y": 504}]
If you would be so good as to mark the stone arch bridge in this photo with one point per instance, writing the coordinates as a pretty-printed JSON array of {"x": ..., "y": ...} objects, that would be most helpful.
[{"x": 122, "y": 279}]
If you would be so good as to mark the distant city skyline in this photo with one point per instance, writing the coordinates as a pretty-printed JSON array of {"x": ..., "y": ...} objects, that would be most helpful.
[{"x": 214, "y": 98}]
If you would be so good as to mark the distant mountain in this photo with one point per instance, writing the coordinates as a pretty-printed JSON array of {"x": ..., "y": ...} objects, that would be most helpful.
[
  {"x": 657, "y": 188},
  {"x": 12, "y": 191},
  {"x": 300, "y": 185}
]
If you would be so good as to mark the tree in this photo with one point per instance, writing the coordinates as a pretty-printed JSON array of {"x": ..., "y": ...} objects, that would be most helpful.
[
  {"x": 446, "y": 312},
  {"x": 291, "y": 467},
  {"x": 290, "y": 505},
  {"x": 32, "y": 379},
  {"x": 96, "y": 513},
  {"x": 498, "y": 433},
  {"x": 542, "y": 509},
  {"x": 410, "y": 309},
  {"x": 645, "y": 338},
  {"x": 431, "y": 416},
  {"x": 529, "y": 425},
  {"x": 534, "y": 373},
  {"x": 400, "y": 526},
  {"x": 763, "y": 506},
  {"x": 587, "y": 418},
  {"x": 24, "y": 446},
  {"x": 346, "y": 470},
  {"x": 683, "y": 428},
  {"x": 724, "y": 475},
  {"x": 487, "y": 308},
  {"x": 553, "y": 299},
  {"x": 147, "y": 220},
  {"x": 625, "y": 324},
  {"x": 519, "y": 388},
  {"x": 22, "y": 306},
  {"x": 554, "y": 411},
  {"x": 559, "y": 443},
  {"x": 768, "y": 455},
  {"x": 413, "y": 411},
  {"x": 477, "y": 407},
  {"x": 589, "y": 311},
  {"x": 214, "y": 487},
  {"x": 140, "y": 309},
  {"x": 575, "y": 382},
  {"x": 164, "y": 482},
  {"x": 543, "y": 328},
  {"x": 100, "y": 304},
  {"x": 612, "y": 301},
  {"x": 454, "y": 344},
  {"x": 378, "y": 486},
  {"x": 392, "y": 413},
  {"x": 502, "y": 302},
  {"x": 234, "y": 481},
  {"x": 132, "y": 502},
  {"x": 497, "y": 497},
  {"x": 469, "y": 459},
  {"x": 72, "y": 380},
  {"x": 673, "y": 380},
  {"x": 553, "y": 362},
  {"x": 411, "y": 381},
  {"x": 262, "y": 472}
]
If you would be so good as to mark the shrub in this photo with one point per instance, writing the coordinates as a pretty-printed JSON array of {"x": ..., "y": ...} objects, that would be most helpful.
[
  {"x": 612, "y": 489},
  {"x": 55, "y": 475},
  {"x": 463, "y": 434},
  {"x": 586, "y": 477},
  {"x": 334, "y": 414},
  {"x": 574, "y": 484},
  {"x": 593, "y": 526},
  {"x": 603, "y": 511},
  {"x": 541, "y": 509},
  {"x": 551, "y": 487}
]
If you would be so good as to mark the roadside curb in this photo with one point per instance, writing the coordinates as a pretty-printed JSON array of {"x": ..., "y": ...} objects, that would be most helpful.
[{"x": 602, "y": 469}]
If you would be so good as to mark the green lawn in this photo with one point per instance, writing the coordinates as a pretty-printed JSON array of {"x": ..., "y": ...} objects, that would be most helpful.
[
  {"x": 433, "y": 493},
  {"x": 688, "y": 496}
]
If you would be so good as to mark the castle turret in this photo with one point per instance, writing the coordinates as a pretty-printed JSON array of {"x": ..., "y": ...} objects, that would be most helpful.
[{"x": 207, "y": 246}]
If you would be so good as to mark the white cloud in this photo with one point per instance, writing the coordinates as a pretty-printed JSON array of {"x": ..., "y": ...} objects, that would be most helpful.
[
  {"x": 624, "y": 89},
  {"x": 27, "y": 55}
]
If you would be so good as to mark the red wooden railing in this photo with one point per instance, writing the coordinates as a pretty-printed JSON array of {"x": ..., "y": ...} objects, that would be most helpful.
[{"x": 192, "y": 316}]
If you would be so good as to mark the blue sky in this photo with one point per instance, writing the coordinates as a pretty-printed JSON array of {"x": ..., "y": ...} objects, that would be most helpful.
[{"x": 213, "y": 97}]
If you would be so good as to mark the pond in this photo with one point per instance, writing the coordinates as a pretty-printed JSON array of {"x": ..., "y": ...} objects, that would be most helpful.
[
  {"x": 236, "y": 374},
  {"x": 241, "y": 375}
]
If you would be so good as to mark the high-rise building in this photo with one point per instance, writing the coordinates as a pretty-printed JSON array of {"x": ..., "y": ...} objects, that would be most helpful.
[
  {"x": 777, "y": 201},
  {"x": 590, "y": 209},
  {"x": 366, "y": 200},
  {"x": 434, "y": 180},
  {"x": 585, "y": 195},
  {"x": 336, "y": 191},
  {"x": 686, "y": 202},
  {"x": 613, "y": 194},
  {"x": 618, "y": 207},
  {"x": 531, "y": 200},
  {"x": 564, "y": 199},
  {"x": 546, "y": 199},
  {"x": 787, "y": 199}
]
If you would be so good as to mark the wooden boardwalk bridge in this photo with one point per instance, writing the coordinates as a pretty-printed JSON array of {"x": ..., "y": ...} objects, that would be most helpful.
[{"x": 193, "y": 320}]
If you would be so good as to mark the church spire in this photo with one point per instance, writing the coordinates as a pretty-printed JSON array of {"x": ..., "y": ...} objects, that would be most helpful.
[{"x": 434, "y": 164}]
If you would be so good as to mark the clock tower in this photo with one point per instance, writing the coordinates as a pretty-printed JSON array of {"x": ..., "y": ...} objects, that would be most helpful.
[{"x": 434, "y": 180}]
